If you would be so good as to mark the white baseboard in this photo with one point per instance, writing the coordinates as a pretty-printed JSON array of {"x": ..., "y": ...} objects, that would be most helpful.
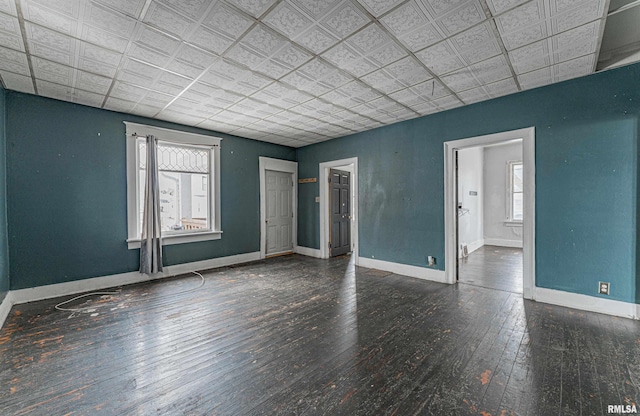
[
  {"x": 502, "y": 242},
  {"x": 306, "y": 251},
  {"x": 5, "y": 308},
  {"x": 587, "y": 303},
  {"x": 403, "y": 269},
  {"x": 103, "y": 282},
  {"x": 475, "y": 245},
  {"x": 471, "y": 247}
]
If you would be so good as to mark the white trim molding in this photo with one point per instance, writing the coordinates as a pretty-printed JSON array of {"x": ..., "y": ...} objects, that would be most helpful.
[
  {"x": 527, "y": 135},
  {"x": 587, "y": 303},
  {"x": 5, "y": 307},
  {"x": 350, "y": 164},
  {"x": 501, "y": 242},
  {"x": 212, "y": 143},
  {"x": 307, "y": 251},
  {"x": 104, "y": 282},
  {"x": 475, "y": 245},
  {"x": 404, "y": 269},
  {"x": 265, "y": 164}
]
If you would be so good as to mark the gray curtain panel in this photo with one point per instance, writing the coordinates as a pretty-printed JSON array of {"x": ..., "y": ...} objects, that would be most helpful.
[{"x": 151, "y": 238}]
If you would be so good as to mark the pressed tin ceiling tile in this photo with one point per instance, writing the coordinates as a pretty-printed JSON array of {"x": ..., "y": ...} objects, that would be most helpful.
[{"x": 293, "y": 71}]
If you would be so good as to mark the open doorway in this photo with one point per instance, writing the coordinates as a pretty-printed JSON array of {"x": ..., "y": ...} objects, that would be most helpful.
[
  {"x": 458, "y": 199},
  {"x": 490, "y": 215}
]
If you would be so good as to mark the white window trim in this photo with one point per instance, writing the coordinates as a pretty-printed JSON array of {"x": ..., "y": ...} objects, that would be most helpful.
[
  {"x": 509, "y": 221},
  {"x": 133, "y": 130}
]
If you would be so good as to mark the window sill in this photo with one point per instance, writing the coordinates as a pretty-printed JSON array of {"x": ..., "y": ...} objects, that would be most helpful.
[
  {"x": 169, "y": 240},
  {"x": 508, "y": 223}
]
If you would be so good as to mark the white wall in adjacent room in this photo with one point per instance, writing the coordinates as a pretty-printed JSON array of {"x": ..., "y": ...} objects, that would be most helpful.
[
  {"x": 496, "y": 230},
  {"x": 470, "y": 173}
]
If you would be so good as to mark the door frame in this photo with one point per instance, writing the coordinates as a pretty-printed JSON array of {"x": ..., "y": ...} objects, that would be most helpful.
[
  {"x": 349, "y": 165},
  {"x": 287, "y": 166},
  {"x": 450, "y": 210}
]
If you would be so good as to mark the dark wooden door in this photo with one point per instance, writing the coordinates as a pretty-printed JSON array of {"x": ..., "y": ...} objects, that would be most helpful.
[{"x": 340, "y": 209}]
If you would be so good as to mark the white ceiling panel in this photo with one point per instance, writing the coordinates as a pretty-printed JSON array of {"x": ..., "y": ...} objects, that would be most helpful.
[
  {"x": 226, "y": 20},
  {"x": 536, "y": 78},
  {"x": 116, "y": 104},
  {"x": 8, "y": 7},
  {"x": 193, "y": 9},
  {"x": 156, "y": 39},
  {"x": 88, "y": 98},
  {"x": 109, "y": 20},
  {"x": 53, "y": 90},
  {"x": 585, "y": 12},
  {"x": 253, "y": 7},
  {"x": 9, "y": 24},
  {"x": 408, "y": 71},
  {"x": 210, "y": 40},
  {"x": 345, "y": 20},
  {"x": 48, "y": 15},
  {"x": 500, "y": 88},
  {"x": 148, "y": 55},
  {"x": 292, "y": 56},
  {"x": 287, "y": 20},
  {"x": 474, "y": 95},
  {"x": 441, "y": 58},
  {"x": 12, "y": 41},
  {"x": 525, "y": 15},
  {"x": 293, "y": 71},
  {"x": 438, "y": 8},
  {"x": 103, "y": 38},
  {"x": 128, "y": 92},
  {"x": 166, "y": 19},
  {"x": 52, "y": 71},
  {"x": 492, "y": 70},
  {"x": 131, "y": 8},
  {"x": 431, "y": 90},
  {"x": 421, "y": 37},
  {"x": 92, "y": 83},
  {"x": 525, "y": 36},
  {"x": 378, "y": 7},
  {"x": 500, "y": 6},
  {"x": 448, "y": 102},
  {"x": 462, "y": 18},
  {"x": 406, "y": 18},
  {"x": 17, "y": 82},
  {"x": 461, "y": 80}
]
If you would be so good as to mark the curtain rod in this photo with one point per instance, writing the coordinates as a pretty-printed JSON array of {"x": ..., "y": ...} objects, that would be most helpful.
[{"x": 177, "y": 144}]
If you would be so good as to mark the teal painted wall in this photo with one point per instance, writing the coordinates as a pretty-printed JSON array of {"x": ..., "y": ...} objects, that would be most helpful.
[
  {"x": 67, "y": 193},
  {"x": 4, "y": 246},
  {"x": 586, "y": 180}
]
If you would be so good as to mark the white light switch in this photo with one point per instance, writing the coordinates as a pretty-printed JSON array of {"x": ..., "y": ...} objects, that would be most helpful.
[{"x": 317, "y": 199}]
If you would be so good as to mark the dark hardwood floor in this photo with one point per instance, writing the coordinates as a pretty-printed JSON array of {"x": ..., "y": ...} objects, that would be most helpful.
[
  {"x": 295, "y": 335},
  {"x": 493, "y": 267}
]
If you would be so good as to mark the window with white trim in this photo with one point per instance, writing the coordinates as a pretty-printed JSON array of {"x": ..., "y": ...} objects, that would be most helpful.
[
  {"x": 515, "y": 191},
  {"x": 188, "y": 171}
]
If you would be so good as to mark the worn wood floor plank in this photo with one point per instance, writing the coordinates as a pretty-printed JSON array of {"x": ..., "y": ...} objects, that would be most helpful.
[
  {"x": 299, "y": 336},
  {"x": 493, "y": 267}
]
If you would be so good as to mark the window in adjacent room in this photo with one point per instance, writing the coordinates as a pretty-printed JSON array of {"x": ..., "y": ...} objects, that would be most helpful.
[
  {"x": 188, "y": 169},
  {"x": 515, "y": 191}
]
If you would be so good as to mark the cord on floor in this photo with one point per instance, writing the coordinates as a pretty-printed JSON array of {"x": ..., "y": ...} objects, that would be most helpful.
[{"x": 86, "y": 308}]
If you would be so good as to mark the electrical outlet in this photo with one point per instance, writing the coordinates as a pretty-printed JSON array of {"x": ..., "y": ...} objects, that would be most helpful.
[
  {"x": 431, "y": 260},
  {"x": 603, "y": 288}
]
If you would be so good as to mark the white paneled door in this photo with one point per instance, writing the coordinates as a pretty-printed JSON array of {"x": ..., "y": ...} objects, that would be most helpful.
[{"x": 279, "y": 216}]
